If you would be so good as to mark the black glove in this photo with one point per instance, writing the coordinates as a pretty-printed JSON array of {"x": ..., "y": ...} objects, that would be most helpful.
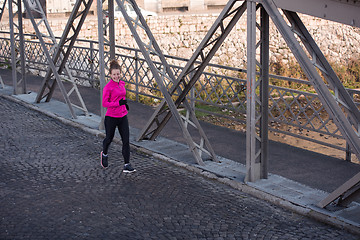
[
  {"x": 127, "y": 106},
  {"x": 122, "y": 102}
]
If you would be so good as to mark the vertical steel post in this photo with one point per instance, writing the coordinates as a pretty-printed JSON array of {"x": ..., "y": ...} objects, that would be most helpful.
[
  {"x": 264, "y": 91},
  {"x": 17, "y": 49},
  {"x": 252, "y": 158},
  {"x": 101, "y": 59},
  {"x": 257, "y": 95},
  {"x": 91, "y": 61},
  {"x": 103, "y": 28},
  {"x": 137, "y": 75},
  {"x": 111, "y": 28},
  {"x": 13, "y": 46},
  {"x": 348, "y": 152},
  {"x": 22, "y": 82}
]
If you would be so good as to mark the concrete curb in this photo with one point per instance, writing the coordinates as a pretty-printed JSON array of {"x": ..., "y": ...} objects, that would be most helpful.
[{"x": 241, "y": 186}]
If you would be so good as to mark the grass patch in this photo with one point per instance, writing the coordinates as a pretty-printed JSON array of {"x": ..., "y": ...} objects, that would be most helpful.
[{"x": 208, "y": 108}]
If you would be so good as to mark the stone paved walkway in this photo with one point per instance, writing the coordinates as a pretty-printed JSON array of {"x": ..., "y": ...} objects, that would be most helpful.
[{"x": 52, "y": 187}]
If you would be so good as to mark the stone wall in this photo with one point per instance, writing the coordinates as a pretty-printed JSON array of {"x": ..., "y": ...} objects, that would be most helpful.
[{"x": 180, "y": 35}]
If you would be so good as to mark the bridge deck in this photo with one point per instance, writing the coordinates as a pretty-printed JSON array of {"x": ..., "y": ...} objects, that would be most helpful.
[{"x": 298, "y": 176}]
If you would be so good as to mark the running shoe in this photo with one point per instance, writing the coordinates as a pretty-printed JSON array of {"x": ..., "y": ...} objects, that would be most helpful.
[
  {"x": 103, "y": 160},
  {"x": 128, "y": 168}
]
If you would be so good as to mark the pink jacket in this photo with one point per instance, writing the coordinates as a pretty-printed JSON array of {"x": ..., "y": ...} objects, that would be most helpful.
[{"x": 112, "y": 93}]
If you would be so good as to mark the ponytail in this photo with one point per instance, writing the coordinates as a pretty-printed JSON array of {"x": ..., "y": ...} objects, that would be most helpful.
[{"x": 114, "y": 65}]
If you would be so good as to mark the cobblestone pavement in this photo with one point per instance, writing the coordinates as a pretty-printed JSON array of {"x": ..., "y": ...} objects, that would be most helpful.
[{"x": 52, "y": 187}]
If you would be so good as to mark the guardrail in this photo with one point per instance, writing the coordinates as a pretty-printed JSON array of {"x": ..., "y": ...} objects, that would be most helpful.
[{"x": 294, "y": 112}]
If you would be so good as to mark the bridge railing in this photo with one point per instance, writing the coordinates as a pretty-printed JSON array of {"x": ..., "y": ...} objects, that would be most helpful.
[{"x": 221, "y": 90}]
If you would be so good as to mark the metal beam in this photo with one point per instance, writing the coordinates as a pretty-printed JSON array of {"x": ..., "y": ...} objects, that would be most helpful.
[
  {"x": 2, "y": 83},
  {"x": 61, "y": 56},
  {"x": 328, "y": 100},
  {"x": 331, "y": 102},
  {"x": 344, "y": 194},
  {"x": 257, "y": 109},
  {"x": 342, "y": 11},
  {"x": 111, "y": 26},
  {"x": 209, "y": 46},
  {"x": 194, "y": 68},
  {"x": 264, "y": 92},
  {"x": 253, "y": 149},
  {"x": 206, "y": 50},
  {"x": 48, "y": 56},
  {"x": 106, "y": 35},
  {"x": 319, "y": 61},
  {"x": 102, "y": 64},
  {"x": 17, "y": 51},
  {"x": 2, "y": 9},
  {"x": 21, "y": 82},
  {"x": 165, "y": 77}
]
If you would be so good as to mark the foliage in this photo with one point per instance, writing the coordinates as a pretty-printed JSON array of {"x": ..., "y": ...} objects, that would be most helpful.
[{"x": 349, "y": 74}]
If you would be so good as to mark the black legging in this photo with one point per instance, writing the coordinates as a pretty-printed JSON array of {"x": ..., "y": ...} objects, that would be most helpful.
[{"x": 123, "y": 126}]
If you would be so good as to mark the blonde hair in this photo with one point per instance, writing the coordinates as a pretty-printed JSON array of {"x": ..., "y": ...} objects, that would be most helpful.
[{"x": 114, "y": 65}]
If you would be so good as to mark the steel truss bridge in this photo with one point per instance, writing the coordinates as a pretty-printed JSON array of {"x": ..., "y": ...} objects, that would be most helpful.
[{"x": 178, "y": 84}]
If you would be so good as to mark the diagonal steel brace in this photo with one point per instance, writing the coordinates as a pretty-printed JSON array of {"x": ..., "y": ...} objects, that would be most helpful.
[
  {"x": 325, "y": 95},
  {"x": 324, "y": 66},
  {"x": 2, "y": 9},
  {"x": 193, "y": 73},
  {"x": 62, "y": 56},
  {"x": 48, "y": 57},
  {"x": 346, "y": 193},
  {"x": 151, "y": 50},
  {"x": 327, "y": 99},
  {"x": 182, "y": 87}
]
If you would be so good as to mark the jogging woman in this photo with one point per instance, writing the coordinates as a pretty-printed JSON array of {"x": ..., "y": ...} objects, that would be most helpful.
[{"x": 114, "y": 99}]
